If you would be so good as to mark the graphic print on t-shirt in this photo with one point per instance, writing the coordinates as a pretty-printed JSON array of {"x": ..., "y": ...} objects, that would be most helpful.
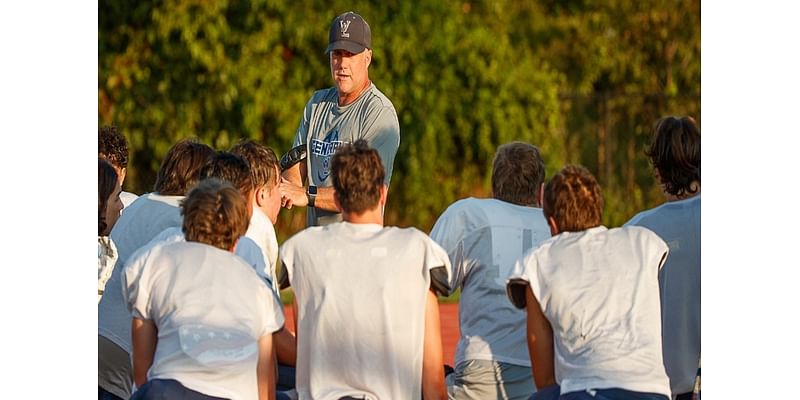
[{"x": 324, "y": 149}]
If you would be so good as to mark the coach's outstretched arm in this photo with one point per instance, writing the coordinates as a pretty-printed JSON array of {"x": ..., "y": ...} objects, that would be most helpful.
[
  {"x": 294, "y": 193},
  {"x": 433, "y": 387}
]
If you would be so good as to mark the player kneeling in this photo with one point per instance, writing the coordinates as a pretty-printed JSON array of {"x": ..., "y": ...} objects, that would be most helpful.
[
  {"x": 202, "y": 318},
  {"x": 367, "y": 314},
  {"x": 592, "y": 300}
]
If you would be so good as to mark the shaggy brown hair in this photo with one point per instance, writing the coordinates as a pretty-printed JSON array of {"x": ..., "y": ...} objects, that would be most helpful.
[
  {"x": 180, "y": 168},
  {"x": 573, "y": 198},
  {"x": 231, "y": 168},
  {"x": 517, "y": 174},
  {"x": 357, "y": 177},
  {"x": 214, "y": 213},
  {"x": 263, "y": 162},
  {"x": 106, "y": 183},
  {"x": 675, "y": 154}
]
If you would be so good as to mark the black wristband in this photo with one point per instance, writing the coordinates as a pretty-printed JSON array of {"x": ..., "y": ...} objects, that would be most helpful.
[{"x": 311, "y": 193}]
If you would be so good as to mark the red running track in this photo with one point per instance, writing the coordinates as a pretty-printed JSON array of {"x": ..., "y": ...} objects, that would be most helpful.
[{"x": 448, "y": 314}]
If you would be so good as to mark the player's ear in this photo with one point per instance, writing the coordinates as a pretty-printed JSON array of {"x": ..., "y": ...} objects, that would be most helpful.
[
  {"x": 384, "y": 194},
  {"x": 261, "y": 195},
  {"x": 369, "y": 57},
  {"x": 553, "y": 226},
  {"x": 541, "y": 195}
]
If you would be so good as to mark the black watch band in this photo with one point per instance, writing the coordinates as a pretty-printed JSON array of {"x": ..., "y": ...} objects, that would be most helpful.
[{"x": 311, "y": 193}]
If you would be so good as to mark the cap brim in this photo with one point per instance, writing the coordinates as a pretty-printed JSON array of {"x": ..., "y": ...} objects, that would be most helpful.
[{"x": 354, "y": 48}]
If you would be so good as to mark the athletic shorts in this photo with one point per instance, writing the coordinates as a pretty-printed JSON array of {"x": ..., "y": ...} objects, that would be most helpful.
[{"x": 486, "y": 380}]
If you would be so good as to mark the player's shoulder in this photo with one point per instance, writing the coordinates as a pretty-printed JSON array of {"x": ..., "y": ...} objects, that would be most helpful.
[
  {"x": 408, "y": 236},
  {"x": 635, "y": 233},
  {"x": 307, "y": 236},
  {"x": 665, "y": 212}
]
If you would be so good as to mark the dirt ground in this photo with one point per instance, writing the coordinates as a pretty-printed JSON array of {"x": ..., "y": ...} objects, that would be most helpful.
[{"x": 448, "y": 314}]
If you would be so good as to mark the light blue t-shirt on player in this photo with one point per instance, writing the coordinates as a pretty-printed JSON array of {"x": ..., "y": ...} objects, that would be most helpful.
[{"x": 678, "y": 224}]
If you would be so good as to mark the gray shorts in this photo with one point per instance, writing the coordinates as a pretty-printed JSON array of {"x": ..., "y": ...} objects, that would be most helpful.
[
  {"x": 482, "y": 379},
  {"x": 114, "y": 370}
]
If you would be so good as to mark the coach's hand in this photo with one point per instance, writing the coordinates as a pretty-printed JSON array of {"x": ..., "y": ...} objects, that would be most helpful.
[{"x": 292, "y": 195}]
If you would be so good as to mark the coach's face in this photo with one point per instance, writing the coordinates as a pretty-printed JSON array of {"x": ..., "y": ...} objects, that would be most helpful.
[{"x": 350, "y": 72}]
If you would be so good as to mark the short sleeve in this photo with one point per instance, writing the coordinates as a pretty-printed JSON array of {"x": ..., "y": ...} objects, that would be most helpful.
[
  {"x": 660, "y": 248},
  {"x": 286, "y": 255},
  {"x": 437, "y": 264},
  {"x": 383, "y": 134},
  {"x": 524, "y": 273},
  {"x": 449, "y": 236},
  {"x": 249, "y": 251},
  {"x": 135, "y": 287},
  {"x": 272, "y": 312}
]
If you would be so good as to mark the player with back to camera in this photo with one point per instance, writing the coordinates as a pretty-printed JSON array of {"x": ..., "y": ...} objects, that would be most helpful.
[
  {"x": 483, "y": 238},
  {"x": 591, "y": 295},
  {"x": 367, "y": 313}
]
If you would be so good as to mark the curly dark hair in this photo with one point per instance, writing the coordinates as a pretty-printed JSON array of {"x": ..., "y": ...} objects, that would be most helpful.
[
  {"x": 573, "y": 199},
  {"x": 106, "y": 183},
  {"x": 180, "y": 168},
  {"x": 112, "y": 146},
  {"x": 517, "y": 174},
  {"x": 675, "y": 154},
  {"x": 214, "y": 213},
  {"x": 358, "y": 175}
]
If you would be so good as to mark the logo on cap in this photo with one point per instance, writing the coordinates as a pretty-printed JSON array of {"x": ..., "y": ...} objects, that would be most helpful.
[{"x": 344, "y": 25}]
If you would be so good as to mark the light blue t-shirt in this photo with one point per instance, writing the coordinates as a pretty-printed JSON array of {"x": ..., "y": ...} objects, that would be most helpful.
[{"x": 678, "y": 224}]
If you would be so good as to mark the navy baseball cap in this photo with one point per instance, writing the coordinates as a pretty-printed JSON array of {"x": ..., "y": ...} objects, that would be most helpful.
[{"x": 349, "y": 32}]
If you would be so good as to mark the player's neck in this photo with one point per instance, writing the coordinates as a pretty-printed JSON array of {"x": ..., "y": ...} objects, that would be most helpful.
[
  {"x": 352, "y": 96},
  {"x": 373, "y": 216},
  {"x": 686, "y": 194}
]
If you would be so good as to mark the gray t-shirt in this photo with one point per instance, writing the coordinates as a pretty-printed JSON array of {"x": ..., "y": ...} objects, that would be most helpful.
[
  {"x": 678, "y": 224},
  {"x": 326, "y": 126},
  {"x": 483, "y": 238}
]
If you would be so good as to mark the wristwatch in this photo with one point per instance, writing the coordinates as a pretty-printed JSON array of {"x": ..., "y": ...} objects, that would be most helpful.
[{"x": 311, "y": 193}]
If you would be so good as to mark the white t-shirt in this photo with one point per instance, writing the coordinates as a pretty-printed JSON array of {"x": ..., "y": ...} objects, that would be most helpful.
[
  {"x": 144, "y": 219},
  {"x": 360, "y": 291},
  {"x": 678, "y": 224},
  {"x": 106, "y": 259},
  {"x": 598, "y": 289},
  {"x": 127, "y": 198},
  {"x": 262, "y": 234},
  {"x": 246, "y": 248},
  {"x": 210, "y": 309},
  {"x": 484, "y": 238}
]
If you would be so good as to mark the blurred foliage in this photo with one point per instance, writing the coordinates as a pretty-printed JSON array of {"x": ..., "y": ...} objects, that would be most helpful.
[{"x": 583, "y": 80}]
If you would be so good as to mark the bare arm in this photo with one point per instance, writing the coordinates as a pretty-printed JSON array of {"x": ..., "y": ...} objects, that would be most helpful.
[
  {"x": 144, "y": 339},
  {"x": 432, "y": 365},
  {"x": 295, "y": 195},
  {"x": 265, "y": 371},
  {"x": 292, "y": 186},
  {"x": 285, "y": 347},
  {"x": 540, "y": 343}
]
